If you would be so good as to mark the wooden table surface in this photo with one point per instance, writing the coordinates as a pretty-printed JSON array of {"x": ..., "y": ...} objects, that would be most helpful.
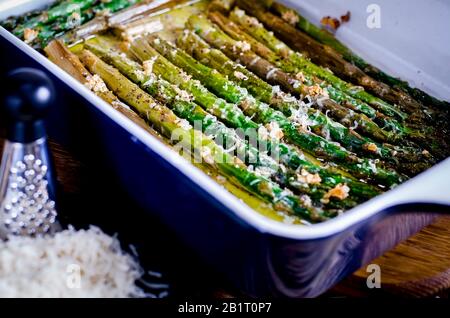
[{"x": 418, "y": 267}]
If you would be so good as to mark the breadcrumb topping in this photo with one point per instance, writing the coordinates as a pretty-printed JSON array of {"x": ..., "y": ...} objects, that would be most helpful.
[
  {"x": 290, "y": 17},
  {"x": 309, "y": 178},
  {"x": 274, "y": 130},
  {"x": 340, "y": 192},
  {"x": 96, "y": 84},
  {"x": 29, "y": 35},
  {"x": 370, "y": 147}
]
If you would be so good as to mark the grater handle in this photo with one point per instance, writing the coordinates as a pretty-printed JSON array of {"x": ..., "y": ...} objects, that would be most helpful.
[{"x": 26, "y": 98}]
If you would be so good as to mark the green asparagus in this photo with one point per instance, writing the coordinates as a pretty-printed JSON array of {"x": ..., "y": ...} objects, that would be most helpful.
[
  {"x": 169, "y": 125},
  {"x": 285, "y": 61},
  {"x": 340, "y": 133},
  {"x": 327, "y": 38},
  {"x": 228, "y": 138},
  {"x": 326, "y": 56},
  {"x": 295, "y": 63},
  {"x": 287, "y": 155},
  {"x": 319, "y": 146},
  {"x": 62, "y": 10},
  {"x": 262, "y": 90},
  {"x": 66, "y": 17}
]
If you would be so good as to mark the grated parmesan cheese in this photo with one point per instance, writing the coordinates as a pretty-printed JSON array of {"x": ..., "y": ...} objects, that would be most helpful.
[
  {"x": 239, "y": 12},
  {"x": 183, "y": 95},
  {"x": 242, "y": 46},
  {"x": 148, "y": 65},
  {"x": 240, "y": 75},
  {"x": 255, "y": 60},
  {"x": 271, "y": 73},
  {"x": 263, "y": 171},
  {"x": 207, "y": 155},
  {"x": 74, "y": 20},
  {"x": 183, "y": 123},
  {"x": 48, "y": 266}
]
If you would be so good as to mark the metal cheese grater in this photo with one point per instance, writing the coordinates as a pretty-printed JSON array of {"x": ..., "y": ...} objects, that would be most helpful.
[{"x": 27, "y": 185}]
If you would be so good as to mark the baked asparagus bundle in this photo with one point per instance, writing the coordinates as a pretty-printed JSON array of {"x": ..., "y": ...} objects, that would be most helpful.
[
  {"x": 244, "y": 101},
  {"x": 328, "y": 57},
  {"x": 264, "y": 69},
  {"x": 327, "y": 38},
  {"x": 284, "y": 170},
  {"x": 309, "y": 74},
  {"x": 69, "y": 62},
  {"x": 41, "y": 28},
  {"x": 163, "y": 119},
  {"x": 233, "y": 113}
]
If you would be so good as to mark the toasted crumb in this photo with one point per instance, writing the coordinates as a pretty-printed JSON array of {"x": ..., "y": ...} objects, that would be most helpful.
[
  {"x": 29, "y": 35},
  {"x": 339, "y": 192},
  {"x": 96, "y": 84},
  {"x": 345, "y": 18},
  {"x": 309, "y": 178},
  {"x": 300, "y": 76},
  {"x": 316, "y": 91},
  {"x": 290, "y": 17},
  {"x": 254, "y": 22},
  {"x": 185, "y": 76},
  {"x": 370, "y": 147},
  {"x": 330, "y": 22},
  {"x": 274, "y": 130}
]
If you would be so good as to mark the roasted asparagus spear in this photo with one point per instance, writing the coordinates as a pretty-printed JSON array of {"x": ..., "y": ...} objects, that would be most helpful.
[
  {"x": 65, "y": 16},
  {"x": 228, "y": 138},
  {"x": 69, "y": 62},
  {"x": 327, "y": 38},
  {"x": 62, "y": 10},
  {"x": 169, "y": 124},
  {"x": 266, "y": 70},
  {"x": 274, "y": 96},
  {"x": 290, "y": 61},
  {"x": 275, "y": 120},
  {"x": 288, "y": 155},
  {"x": 326, "y": 56}
]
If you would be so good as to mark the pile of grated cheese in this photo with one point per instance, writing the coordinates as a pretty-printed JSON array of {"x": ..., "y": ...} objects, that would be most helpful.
[{"x": 85, "y": 263}]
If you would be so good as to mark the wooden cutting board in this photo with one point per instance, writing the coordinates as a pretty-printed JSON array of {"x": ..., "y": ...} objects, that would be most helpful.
[{"x": 418, "y": 267}]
